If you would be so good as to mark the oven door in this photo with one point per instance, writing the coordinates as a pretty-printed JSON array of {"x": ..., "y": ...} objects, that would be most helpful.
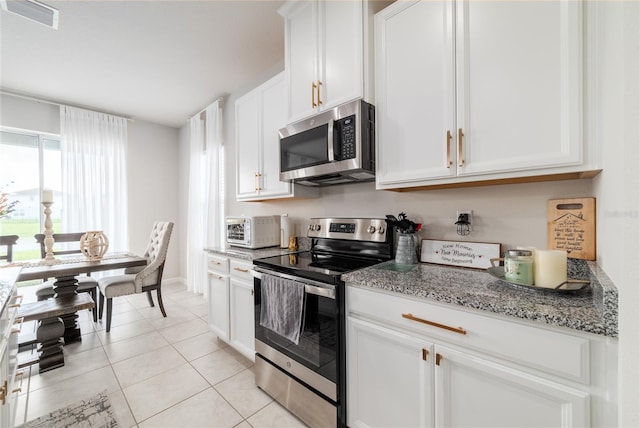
[{"x": 315, "y": 359}]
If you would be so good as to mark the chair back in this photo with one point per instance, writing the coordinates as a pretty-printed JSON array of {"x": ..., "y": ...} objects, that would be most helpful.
[
  {"x": 156, "y": 253},
  {"x": 9, "y": 241},
  {"x": 59, "y": 237}
]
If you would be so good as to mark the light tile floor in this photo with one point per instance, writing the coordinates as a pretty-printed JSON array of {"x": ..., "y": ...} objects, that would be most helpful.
[{"x": 159, "y": 372}]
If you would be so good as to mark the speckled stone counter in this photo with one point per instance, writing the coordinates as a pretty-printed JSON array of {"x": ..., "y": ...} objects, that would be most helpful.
[
  {"x": 248, "y": 254},
  {"x": 595, "y": 312},
  {"x": 8, "y": 276}
]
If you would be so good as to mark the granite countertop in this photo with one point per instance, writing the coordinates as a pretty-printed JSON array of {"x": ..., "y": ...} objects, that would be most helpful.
[
  {"x": 249, "y": 254},
  {"x": 593, "y": 312},
  {"x": 8, "y": 276}
]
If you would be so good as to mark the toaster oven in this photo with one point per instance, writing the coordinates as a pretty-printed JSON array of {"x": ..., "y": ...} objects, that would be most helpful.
[{"x": 253, "y": 231}]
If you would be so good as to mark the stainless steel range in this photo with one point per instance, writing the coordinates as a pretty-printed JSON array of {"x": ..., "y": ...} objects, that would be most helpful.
[{"x": 300, "y": 316}]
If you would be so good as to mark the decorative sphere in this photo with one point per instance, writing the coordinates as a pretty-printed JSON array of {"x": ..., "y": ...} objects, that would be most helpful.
[{"x": 94, "y": 244}]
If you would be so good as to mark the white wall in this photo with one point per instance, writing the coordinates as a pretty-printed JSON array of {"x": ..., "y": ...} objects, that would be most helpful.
[
  {"x": 152, "y": 169},
  {"x": 616, "y": 188},
  {"x": 183, "y": 194},
  {"x": 29, "y": 115},
  {"x": 153, "y": 187}
]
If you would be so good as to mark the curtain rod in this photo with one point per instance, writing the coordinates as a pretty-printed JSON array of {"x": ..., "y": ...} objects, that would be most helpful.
[
  {"x": 221, "y": 99},
  {"x": 56, "y": 103}
]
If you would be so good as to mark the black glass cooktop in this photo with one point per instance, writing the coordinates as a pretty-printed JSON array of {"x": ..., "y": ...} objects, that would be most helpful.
[{"x": 316, "y": 266}]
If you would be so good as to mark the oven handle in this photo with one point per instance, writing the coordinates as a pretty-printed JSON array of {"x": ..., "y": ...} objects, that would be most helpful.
[{"x": 310, "y": 286}]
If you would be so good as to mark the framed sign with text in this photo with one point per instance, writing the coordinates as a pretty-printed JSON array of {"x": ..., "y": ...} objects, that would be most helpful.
[{"x": 476, "y": 255}]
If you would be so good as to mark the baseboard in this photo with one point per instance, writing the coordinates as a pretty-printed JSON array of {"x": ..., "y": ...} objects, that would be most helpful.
[{"x": 174, "y": 281}]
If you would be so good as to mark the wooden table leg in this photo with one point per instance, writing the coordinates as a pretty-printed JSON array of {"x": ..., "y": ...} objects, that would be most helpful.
[
  {"x": 49, "y": 335},
  {"x": 65, "y": 286}
]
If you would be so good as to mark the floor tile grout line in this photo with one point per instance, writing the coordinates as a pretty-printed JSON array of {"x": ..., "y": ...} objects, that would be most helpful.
[{"x": 103, "y": 344}]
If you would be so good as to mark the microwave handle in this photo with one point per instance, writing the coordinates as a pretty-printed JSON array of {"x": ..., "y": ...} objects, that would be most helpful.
[{"x": 331, "y": 141}]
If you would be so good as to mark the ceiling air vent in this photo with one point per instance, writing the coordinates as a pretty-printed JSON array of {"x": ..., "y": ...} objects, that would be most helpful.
[{"x": 33, "y": 10}]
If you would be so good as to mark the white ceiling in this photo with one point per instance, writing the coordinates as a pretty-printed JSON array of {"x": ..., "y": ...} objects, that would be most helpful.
[{"x": 158, "y": 61}]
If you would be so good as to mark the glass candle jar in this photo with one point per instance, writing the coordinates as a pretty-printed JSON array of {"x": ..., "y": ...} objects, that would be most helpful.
[{"x": 518, "y": 266}]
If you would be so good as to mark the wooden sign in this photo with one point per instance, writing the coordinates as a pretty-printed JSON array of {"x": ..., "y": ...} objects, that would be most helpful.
[
  {"x": 571, "y": 226},
  {"x": 456, "y": 253}
]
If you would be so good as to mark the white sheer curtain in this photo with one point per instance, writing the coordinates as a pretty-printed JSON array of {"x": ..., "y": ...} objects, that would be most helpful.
[
  {"x": 94, "y": 174},
  {"x": 205, "y": 198}
]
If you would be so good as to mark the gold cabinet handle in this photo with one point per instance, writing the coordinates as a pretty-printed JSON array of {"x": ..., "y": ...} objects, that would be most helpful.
[
  {"x": 438, "y": 359},
  {"x": 256, "y": 181},
  {"x": 215, "y": 263},
  {"x": 425, "y": 354},
  {"x": 215, "y": 276},
  {"x": 458, "y": 330},
  {"x": 17, "y": 301},
  {"x": 460, "y": 157},
  {"x": 20, "y": 322},
  {"x": 241, "y": 270},
  {"x": 20, "y": 375},
  {"x": 319, "y": 100},
  {"x": 449, "y": 163},
  {"x": 3, "y": 392},
  {"x": 313, "y": 95}
]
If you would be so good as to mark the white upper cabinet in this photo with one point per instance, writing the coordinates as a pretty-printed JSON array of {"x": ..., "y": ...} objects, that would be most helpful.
[
  {"x": 259, "y": 115},
  {"x": 470, "y": 91},
  {"x": 415, "y": 92},
  {"x": 326, "y": 54}
]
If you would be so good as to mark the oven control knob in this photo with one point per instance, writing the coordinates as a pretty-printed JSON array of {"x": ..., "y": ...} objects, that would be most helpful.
[
  {"x": 317, "y": 227},
  {"x": 371, "y": 229},
  {"x": 381, "y": 229},
  {"x": 310, "y": 226}
]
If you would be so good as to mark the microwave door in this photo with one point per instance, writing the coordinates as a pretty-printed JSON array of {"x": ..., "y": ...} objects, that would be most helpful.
[{"x": 305, "y": 149}]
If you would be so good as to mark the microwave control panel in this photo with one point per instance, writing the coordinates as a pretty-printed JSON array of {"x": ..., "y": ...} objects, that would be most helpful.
[{"x": 348, "y": 137}]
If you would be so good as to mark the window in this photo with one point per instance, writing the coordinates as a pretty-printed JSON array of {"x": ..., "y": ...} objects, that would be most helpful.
[{"x": 29, "y": 162}]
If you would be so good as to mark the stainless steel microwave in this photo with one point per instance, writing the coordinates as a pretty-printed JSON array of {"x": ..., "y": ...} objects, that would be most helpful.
[{"x": 334, "y": 147}]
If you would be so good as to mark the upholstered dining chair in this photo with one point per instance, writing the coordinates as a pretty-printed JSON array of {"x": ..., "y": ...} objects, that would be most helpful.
[
  {"x": 86, "y": 284},
  {"x": 9, "y": 241},
  {"x": 139, "y": 280}
]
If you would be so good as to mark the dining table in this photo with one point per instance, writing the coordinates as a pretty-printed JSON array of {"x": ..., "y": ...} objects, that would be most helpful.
[{"x": 58, "y": 316}]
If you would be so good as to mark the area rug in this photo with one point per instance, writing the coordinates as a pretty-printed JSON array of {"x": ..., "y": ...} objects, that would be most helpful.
[{"x": 93, "y": 412}]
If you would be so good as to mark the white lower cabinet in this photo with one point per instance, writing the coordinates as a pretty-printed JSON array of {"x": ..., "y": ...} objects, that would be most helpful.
[
  {"x": 231, "y": 303},
  {"x": 242, "y": 332},
  {"x": 10, "y": 379},
  {"x": 472, "y": 391},
  {"x": 218, "y": 278},
  {"x": 388, "y": 382},
  {"x": 404, "y": 373}
]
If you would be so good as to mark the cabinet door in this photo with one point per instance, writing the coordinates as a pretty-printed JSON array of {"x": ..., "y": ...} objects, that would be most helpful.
[
  {"x": 471, "y": 391},
  {"x": 341, "y": 52},
  {"x": 301, "y": 48},
  {"x": 519, "y": 76},
  {"x": 389, "y": 383},
  {"x": 219, "y": 305},
  {"x": 273, "y": 108},
  {"x": 242, "y": 322},
  {"x": 414, "y": 92},
  {"x": 247, "y": 145}
]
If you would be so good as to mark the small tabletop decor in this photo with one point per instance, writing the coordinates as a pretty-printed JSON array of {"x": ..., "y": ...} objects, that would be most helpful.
[
  {"x": 47, "y": 200},
  {"x": 94, "y": 244},
  {"x": 407, "y": 238}
]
